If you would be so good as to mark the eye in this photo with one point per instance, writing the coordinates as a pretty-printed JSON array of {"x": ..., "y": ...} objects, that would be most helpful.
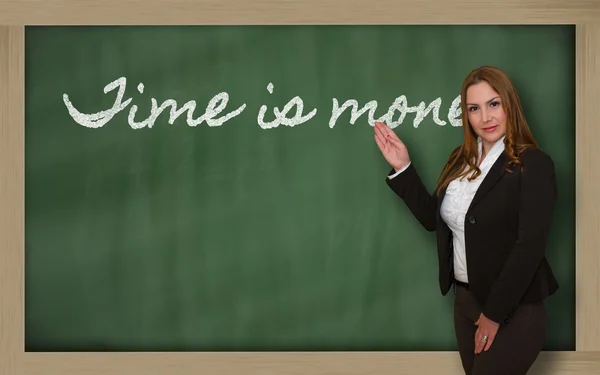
[
  {"x": 495, "y": 103},
  {"x": 471, "y": 109}
]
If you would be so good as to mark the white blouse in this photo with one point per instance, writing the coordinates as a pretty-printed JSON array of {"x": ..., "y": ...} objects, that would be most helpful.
[{"x": 457, "y": 200}]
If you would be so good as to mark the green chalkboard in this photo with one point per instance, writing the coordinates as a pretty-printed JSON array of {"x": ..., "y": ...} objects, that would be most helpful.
[{"x": 245, "y": 234}]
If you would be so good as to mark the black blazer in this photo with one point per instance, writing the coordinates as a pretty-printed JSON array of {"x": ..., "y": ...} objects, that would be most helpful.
[{"x": 506, "y": 232}]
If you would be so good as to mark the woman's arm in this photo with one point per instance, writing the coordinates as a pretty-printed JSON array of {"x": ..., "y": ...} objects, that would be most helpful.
[
  {"x": 408, "y": 186},
  {"x": 404, "y": 179},
  {"x": 537, "y": 200}
]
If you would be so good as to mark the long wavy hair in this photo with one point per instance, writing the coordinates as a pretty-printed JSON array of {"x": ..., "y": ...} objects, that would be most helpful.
[{"x": 463, "y": 160}]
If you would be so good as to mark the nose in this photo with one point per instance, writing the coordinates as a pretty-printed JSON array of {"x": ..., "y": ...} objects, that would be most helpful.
[{"x": 485, "y": 116}]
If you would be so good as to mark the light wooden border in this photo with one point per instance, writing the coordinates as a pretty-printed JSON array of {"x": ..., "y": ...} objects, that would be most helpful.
[{"x": 585, "y": 14}]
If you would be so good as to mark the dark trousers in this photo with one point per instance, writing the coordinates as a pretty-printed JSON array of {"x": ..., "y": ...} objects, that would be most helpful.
[{"x": 517, "y": 343}]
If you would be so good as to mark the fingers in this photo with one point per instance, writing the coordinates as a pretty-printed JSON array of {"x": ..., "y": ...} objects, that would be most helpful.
[
  {"x": 395, "y": 141},
  {"x": 489, "y": 342},
  {"x": 388, "y": 132},
  {"x": 478, "y": 336},
  {"x": 486, "y": 328},
  {"x": 383, "y": 129},
  {"x": 382, "y": 144},
  {"x": 380, "y": 134},
  {"x": 479, "y": 344}
]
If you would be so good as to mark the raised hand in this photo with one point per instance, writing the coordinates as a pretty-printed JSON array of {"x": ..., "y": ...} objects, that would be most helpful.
[{"x": 392, "y": 148}]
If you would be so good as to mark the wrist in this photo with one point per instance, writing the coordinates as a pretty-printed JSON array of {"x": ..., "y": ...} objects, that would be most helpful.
[{"x": 400, "y": 167}]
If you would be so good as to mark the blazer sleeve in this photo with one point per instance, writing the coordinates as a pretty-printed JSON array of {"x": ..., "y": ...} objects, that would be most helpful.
[
  {"x": 538, "y": 195},
  {"x": 408, "y": 186}
]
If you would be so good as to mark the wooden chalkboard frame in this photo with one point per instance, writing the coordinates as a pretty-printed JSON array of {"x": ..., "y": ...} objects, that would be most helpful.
[{"x": 16, "y": 14}]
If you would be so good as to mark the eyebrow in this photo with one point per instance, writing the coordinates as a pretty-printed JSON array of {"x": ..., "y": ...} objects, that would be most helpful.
[{"x": 495, "y": 97}]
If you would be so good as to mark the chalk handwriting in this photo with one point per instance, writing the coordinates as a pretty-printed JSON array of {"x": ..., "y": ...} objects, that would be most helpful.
[
  {"x": 281, "y": 116},
  {"x": 455, "y": 112},
  {"x": 99, "y": 119},
  {"x": 337, "y": 111},
  {"x": 400, "y": 104},
  {"x": 218, "y": 103}
]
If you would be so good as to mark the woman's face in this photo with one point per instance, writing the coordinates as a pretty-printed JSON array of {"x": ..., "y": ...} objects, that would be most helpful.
[{"x": 486, "y": 113}]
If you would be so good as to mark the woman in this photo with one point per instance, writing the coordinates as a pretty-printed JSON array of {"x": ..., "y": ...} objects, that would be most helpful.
[{"x": 491, "y": 211}]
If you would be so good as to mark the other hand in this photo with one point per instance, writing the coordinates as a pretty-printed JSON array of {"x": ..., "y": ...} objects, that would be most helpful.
[
  {"x": 488, "y": 328},
  {"x": 392, "y": 148}
]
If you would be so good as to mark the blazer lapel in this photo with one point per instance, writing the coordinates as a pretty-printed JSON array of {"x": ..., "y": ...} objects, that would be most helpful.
[
  {"x": 440, "y": 199},
  {"x": 495, "y": 173}
]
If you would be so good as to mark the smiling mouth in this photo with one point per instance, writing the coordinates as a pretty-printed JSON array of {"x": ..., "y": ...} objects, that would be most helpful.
[{"x": 490, "y": 128}]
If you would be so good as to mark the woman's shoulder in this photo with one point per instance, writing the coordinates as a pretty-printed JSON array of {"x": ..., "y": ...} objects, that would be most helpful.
[{"x": 535, "y": 157}]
